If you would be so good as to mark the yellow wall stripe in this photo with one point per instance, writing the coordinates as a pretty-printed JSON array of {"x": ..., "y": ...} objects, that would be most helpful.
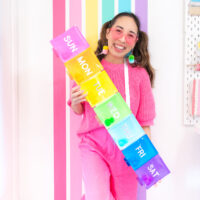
[{"x": 91, "y": 29}]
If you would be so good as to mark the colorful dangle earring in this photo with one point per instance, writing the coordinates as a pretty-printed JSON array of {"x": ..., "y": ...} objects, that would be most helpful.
[
  {"x": 131, "y": 57},
  {"x": 104, "y": 50}
]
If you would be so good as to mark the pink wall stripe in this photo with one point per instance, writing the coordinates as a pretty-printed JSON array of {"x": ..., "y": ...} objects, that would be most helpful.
[
  {"x": 59, "y": 96},
  {"x": 75, "y": 14}
]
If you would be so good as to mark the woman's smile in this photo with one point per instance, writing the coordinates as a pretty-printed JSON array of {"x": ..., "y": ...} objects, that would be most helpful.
[{"x": 119, "y": 48}]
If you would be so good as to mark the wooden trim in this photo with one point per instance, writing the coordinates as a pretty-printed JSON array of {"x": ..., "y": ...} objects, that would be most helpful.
[{"x": 194, "y": 10}]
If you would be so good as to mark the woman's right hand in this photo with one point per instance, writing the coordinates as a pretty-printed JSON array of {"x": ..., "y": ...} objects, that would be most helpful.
[{"x": 77, "y": 95}]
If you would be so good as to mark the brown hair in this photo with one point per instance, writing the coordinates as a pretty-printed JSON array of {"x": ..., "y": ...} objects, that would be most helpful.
[{"x": 140, "y": 50}]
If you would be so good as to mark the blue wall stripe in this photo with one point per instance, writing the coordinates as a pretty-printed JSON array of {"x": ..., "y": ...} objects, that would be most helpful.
[
  {"x": 107, "y": 10},
  {"x": 124, "y": 6}
]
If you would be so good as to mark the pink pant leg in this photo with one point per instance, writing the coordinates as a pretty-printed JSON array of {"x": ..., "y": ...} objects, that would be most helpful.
[
  {"x": 96, "y": 176},
  {"x": 124, "y": 184},
  {"x": 123, "y": 180},
  {"x": 105, "y": 173}
]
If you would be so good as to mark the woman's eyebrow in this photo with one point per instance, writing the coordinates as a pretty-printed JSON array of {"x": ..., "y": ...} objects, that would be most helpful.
[
  {"x": 119, "y": 27},
  {"x": 133, "y": 32}
]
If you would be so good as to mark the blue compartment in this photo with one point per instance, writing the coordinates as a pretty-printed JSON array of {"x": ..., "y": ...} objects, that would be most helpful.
[{"x": 140, "y": 152}]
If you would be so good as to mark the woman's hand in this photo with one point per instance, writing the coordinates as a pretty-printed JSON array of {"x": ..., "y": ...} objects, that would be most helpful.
[
  {"x": 77, "y": 97},
  {"x": 147, "y": 130}
]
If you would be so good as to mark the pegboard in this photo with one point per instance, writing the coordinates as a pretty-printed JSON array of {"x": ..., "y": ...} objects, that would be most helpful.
[{"x": 192, "y": 57}]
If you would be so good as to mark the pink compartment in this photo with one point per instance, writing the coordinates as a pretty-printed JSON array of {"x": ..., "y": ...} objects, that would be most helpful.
[{"x": 69, "y": 44}]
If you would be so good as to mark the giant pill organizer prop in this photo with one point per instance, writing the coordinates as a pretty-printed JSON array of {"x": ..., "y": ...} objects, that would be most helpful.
[{"x": 85, "y": 69}]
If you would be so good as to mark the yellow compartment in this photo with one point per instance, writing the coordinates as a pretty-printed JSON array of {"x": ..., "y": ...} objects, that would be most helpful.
[
  {"x": 99, "y": 88},
  {"x": 83, "y": 66}
]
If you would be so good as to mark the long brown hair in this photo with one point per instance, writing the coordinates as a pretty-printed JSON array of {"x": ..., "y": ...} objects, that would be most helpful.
[{"x": 140, "y": 50}]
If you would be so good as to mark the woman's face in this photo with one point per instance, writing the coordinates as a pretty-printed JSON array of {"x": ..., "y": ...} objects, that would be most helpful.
[{"x": 122, "y": 37}]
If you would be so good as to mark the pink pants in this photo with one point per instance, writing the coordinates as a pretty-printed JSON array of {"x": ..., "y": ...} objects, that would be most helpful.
[{"x": 106, "y": 175}]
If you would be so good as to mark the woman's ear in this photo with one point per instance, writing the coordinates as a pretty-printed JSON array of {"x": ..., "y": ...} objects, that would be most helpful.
[{"x": 107, "y": 32}]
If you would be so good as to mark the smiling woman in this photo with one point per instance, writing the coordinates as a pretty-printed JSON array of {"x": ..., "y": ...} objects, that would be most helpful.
[
  {"x": 121, "y": 38},
  {"x": 105, "y": 174}
]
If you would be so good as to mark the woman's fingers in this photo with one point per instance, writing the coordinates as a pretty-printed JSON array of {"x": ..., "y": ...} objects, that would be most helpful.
[
  {"x": 156, "y": 185},
  {"x": 80, "y": 97},
  {"x": 77, "y": 95},
  {"x": 77, "y": 101},
  {"x": 97, "y": 118},
  {"x": 76, "y": 88}
]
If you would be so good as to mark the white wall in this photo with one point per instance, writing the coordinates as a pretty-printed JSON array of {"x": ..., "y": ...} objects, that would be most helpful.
[
  {"x": 27, "y": 95},
  {"x": 35, "y": 100},
  {"x": 8, "y": 104},
  {"x": 177, "y": 144}
]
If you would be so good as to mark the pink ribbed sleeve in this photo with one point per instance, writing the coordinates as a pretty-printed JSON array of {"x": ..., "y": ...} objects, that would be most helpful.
[{"x": 146, "y": 110}]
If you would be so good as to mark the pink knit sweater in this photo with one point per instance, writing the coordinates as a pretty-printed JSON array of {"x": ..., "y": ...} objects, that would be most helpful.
[{"x": 141, "y": 97}]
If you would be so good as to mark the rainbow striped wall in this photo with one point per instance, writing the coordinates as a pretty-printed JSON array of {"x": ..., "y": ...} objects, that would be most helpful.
[{"x": 88, "y": 15}]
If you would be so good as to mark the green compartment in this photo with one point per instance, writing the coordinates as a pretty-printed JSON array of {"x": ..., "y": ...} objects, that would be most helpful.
[{"x": 112, "y": 111}]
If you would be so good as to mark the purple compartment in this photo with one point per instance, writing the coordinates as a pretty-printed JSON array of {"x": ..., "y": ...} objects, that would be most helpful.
[
  {"x": 152, "y": 171},
  {"x": 69, "y": 44}
]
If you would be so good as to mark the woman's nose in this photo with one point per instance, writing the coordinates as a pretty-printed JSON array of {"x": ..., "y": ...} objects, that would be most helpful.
[{"x": 123, "y": 38}]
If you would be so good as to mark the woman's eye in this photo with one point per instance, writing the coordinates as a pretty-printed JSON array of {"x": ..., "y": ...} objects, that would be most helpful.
[
  {"x": 118, "y": 30},
  {"x": 131, "y": 35}
]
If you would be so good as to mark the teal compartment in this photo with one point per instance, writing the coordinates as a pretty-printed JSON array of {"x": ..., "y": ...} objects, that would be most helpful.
[{"x": 126, "y": 132}]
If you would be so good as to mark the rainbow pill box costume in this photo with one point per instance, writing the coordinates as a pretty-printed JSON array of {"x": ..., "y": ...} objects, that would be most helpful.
[{"x": 85, "y": 69}]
